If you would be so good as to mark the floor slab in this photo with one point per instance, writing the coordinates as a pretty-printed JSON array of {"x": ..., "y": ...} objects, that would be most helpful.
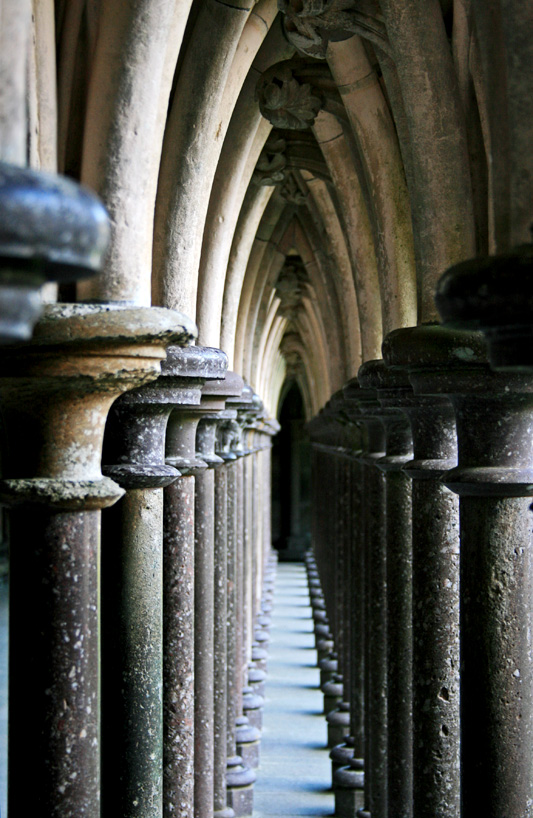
[{"x": 295, "y": 774}]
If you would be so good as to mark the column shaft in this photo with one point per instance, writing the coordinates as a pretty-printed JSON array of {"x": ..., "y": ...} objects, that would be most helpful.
[{"x": 178, "y": 649}]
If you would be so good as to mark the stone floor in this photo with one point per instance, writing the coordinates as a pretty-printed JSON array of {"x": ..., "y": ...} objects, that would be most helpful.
[{"x": 295, "y": 774}]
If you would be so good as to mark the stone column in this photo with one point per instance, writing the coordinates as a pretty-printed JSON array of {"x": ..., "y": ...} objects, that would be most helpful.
[
  {"x": 56, "y": 393},
  {"x": 204, "y": 511},
  {"x": 394, "y": 392},
  {"x": 375, "y": 694},
  {"x": 242, "y": 739},
  {"x": 132, "y": 595},
  {"x": 211, "y": 541},
  {"x": 494, "y": 480},
  {"x": 435, "y": 573},
  {"x": 183, "y": 373},
  {"x": 35, "y": 246},
  {"x": 348, "y": 758}
]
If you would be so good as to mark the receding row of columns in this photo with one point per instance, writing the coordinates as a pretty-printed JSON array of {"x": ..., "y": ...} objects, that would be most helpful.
[
  {"x": 137, "y": 472},
  {"x": 421, "y": 576},
  {"x": 139, "y": 589}
]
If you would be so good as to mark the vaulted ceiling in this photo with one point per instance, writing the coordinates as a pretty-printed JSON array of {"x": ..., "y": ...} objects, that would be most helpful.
[{"x": 295, "y": 179}]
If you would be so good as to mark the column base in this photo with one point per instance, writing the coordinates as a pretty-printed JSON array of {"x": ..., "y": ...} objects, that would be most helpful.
[
  {"x": 324, "y": 648},
  {"x": 259, "y": 657},
  {"x": 256, "y": 680},
  {"x": 240, "y": 787},
  {"x": 248, "y": 740},
  {"x": 252, "y": 706},
  {"x": 348, "y": 786},
  {"x": 328, "y": 667},
  {"x": 341, "y": 756},
  {"x": 227, "y": 812},
  {"x": 338, "y": 726},
  {"x": 333, "y": 693}
]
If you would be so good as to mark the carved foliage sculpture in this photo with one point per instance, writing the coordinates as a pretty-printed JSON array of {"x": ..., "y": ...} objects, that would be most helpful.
[
  {"x": 290, "y": 287},
  {"x": 272, "y": 163},
  {"x": 286, "y": 102},
  {"x": 311, "y": 24}
]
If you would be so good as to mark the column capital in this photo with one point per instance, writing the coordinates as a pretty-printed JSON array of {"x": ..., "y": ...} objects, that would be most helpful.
[
  {"x": 492, "y": 409},
  {"x": 57, "y": 391},
  {"x": 214, "y": 396},
  {"x": 493, "y": 294},
  {"x": 186, "y": 371},
  {"x": 51, "y": 229},
  {"x": 394, "y": 394},
  {"x": 243, "y": 404}
]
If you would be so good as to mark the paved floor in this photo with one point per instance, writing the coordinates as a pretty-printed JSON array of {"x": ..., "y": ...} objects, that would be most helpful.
[{"x": 295, "y": 774}]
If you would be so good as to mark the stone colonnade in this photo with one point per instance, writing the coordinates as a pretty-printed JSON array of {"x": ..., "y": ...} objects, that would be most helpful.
[
  {"x": 420, "y": 573},
  {"x": 137, "y": 476}
]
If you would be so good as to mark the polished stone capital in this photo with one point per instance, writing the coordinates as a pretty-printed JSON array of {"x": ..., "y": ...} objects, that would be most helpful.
[
  {"x": 494, "y": 295},
  {"x": 51, "y": 229},
  {"x": 361, "y": 396},
  {"x": 492, "y": 409},
  {"x": 214, "y": 396},
  {"x": 243, "y": 404},
  {"x": 187, "y": 370},
  {"x": 416, "y": 351},
  {"x": 56, "y": 392},
  {"x": 393, "y": 393}
]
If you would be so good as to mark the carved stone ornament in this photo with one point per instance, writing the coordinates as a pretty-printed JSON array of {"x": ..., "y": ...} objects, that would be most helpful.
[
  {"x": 289, "y": 350},
  {"x": 290, "y": 288},
  {"x": 286, "y": 102},
  {"x": 271, "y": 165},
  {"x": 310, "y": 24},
  {"x": 291, "y": 192}
]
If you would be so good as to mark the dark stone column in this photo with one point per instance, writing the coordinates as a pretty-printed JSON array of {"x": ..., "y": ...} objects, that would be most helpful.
[
  {"x": 184, "y": 373},
  {"x": 394, "y": 392},
  {"x": 242, "y": 739},
  {"x": 51, "y": 229},
  {"x": 494, "y": 480},
  {"x": 214, "y": 395},
  {"x": 435, "y": 581},
  {"x": 132, "y": 603},
  {"x": 56, "y": 393},
  {"x": 375, "y": 692}
]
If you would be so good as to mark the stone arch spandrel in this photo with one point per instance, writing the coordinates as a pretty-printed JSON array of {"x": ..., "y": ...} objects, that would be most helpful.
[
  {"x": 344, "y": 278},
  {"x": 253, "y": 207},
  {"x": 376, "y": 137},
  {"x": 442, "y": 195},
  {"x": 244, "y": 140},
  {"x": 275, "y": 218},
  {"x": 267, "y": 273},
  {"x": 330, "y": 136},
  {"x": 503, "y": 39},
  {"x": 193, "y": 139},
  {"x": 42, "y": 88},
  {"x": 322, "y": 294},
  {"x": 123, "y": 137},
  {"x": 295, "y": 237}
]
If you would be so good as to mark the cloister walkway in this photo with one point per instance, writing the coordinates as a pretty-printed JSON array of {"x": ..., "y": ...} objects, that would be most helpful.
[{"x": 294, "y": 778}]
